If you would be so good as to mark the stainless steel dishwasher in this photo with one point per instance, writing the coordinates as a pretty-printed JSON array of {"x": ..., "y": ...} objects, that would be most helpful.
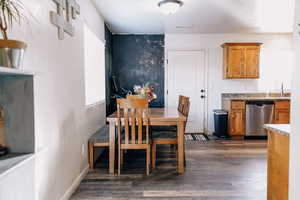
[{"x": 258, "y": 113}]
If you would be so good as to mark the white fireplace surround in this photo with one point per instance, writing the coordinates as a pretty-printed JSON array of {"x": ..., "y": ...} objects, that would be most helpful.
[{"x": 16, "y": 97}]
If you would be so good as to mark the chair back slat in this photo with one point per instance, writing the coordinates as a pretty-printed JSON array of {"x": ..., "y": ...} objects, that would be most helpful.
[
  {"x": 135, "y": 118},
  {"x": 126, "y": 124},
  {"x": 186, "y": 111},
  {"x": 180, "y": 103},
  {"x": 184, "y": 107},
  {"x": 122, "y": 109},
  {"x": 132, "y": 125},
  {"x": 140, "y": 126}
]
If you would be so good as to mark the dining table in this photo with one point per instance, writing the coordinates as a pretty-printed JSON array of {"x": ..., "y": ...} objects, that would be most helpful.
[{"x": 168, "y": 116}]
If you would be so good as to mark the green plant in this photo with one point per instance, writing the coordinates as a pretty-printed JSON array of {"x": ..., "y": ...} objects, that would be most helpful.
[{"x": 10, "y": 13}]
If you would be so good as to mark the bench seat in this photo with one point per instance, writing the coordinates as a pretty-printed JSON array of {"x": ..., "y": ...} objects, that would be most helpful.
[
  {"x": 101, "y": 136},
  {"x": 99, "y": 139}
]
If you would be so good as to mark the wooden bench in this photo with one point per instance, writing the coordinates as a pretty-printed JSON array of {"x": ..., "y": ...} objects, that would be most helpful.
[{"x": 99, "y": 139}]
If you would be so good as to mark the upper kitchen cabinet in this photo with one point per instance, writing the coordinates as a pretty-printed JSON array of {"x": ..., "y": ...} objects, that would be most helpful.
[{"x": 241, "y": 60}]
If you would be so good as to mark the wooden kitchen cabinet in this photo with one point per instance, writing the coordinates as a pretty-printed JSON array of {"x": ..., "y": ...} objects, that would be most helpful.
[
  {"x": 282, "y": 112},
  {"x": 237, "y": 119},
  {"x": 241, "y": 60},
  {"x": 252, "y": 61},
  {"x": 237, "y": 115},
  {"x": 234, "y": 62},
  {"x": 282, "y": 117},
  {"x": 278, "y": 166}
]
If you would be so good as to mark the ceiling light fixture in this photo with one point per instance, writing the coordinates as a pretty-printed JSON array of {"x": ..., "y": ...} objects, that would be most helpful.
[{"x": 170, "y": 6}]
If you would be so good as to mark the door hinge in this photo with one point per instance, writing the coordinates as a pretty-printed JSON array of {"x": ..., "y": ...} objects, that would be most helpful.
[
  {"x": 167, "y": 61},
  {"x": 167, "y": 92}
]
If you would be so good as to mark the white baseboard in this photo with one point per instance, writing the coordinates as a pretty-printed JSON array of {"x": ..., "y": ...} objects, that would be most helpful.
[{"x": 75, "y": 184}]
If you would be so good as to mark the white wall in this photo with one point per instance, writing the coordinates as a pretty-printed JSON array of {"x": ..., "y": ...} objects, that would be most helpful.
[
  {"x": 63, "y": 124},
  {"x": 294, "y": 193},
  {"x": 276, "y": 63}
]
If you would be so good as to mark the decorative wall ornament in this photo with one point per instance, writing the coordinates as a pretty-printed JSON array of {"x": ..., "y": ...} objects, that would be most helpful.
[{"x": 67, "y": 11}]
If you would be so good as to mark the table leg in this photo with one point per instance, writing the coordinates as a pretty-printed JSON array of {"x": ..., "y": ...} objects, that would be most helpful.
[
  {"x": 180, "y": 133},
  {"x": 112, "y": 138}
]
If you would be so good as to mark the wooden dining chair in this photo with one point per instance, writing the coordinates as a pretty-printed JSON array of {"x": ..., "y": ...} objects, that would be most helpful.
[
  {"x": 170, "y": 128},
  {"x": 133, "y": 117},
  {"x": 169, "y": 137}
]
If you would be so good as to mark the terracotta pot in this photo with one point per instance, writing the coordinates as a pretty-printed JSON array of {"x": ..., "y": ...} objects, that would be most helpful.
[{"x": 12, "y": 53}]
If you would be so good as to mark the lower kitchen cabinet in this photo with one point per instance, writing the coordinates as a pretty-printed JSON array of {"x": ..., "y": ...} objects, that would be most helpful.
[
  {"x": 237, "y": 119},
  {"x": 278, "y": 166},
  {"x": 282, "y": 112},
  {"x": 282, "y": 117},
  {"x": 237, "y": 116},
  {"x": 237, "y": 123}
]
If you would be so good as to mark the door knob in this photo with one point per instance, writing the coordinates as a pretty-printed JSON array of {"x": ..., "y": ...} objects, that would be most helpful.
[
  {"x": 202, "y": 91},
  {"x": 202, "y": 96}
]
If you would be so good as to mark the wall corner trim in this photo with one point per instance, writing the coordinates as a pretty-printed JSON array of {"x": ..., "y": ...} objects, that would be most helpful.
[{"x": 75, "y": 184}]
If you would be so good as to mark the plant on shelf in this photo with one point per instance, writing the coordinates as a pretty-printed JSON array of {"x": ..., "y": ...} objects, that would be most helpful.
[{"x": 11, "y": 51}]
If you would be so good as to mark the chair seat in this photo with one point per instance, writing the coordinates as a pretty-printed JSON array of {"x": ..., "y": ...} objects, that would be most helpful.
[
  {"x": 101, "y": 136},
  {"x": 136, "y": 138},
  {"x": 162, "y": 138},
  {"x": 164, "y": 128},
  {"x": 164, "y": 135}
]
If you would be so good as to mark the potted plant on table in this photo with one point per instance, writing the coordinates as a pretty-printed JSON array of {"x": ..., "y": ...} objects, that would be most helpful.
[
  {"x": 145, "y": 91},
  {"x": 11, "y": 51}
]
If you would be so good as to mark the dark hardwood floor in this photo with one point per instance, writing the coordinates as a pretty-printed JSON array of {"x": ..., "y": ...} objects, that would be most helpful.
[{"x": 216, "y": 170}]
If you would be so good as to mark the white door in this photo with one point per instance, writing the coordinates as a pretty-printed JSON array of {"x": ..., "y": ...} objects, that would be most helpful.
[{"x": 186, "y": 76}]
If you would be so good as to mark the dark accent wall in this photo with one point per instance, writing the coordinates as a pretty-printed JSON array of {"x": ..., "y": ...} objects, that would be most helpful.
[
  {"x": 139, "y": 59},
  {"x": 108, "y": 69}
]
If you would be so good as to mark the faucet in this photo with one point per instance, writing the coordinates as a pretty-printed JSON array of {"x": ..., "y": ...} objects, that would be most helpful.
[{"x": 282, "y": 90}]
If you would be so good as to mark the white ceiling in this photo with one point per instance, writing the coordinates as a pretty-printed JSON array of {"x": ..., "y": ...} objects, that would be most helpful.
[{"x": 199, "y": 16}]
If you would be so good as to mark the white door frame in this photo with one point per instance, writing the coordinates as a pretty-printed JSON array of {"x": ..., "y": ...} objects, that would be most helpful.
[{"x": 206, "y": 81}]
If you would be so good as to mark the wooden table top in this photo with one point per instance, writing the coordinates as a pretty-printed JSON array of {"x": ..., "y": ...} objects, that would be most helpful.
[{"x": 158, "y": 114}]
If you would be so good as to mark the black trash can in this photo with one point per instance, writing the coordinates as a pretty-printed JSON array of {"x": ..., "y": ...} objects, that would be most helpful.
[{"x": 221, "y": 123}]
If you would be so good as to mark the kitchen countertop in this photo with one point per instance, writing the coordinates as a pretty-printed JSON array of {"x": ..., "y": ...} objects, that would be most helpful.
[
  {"x": 284, "y": 129},
  {"x": 257, "y": 98}
]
